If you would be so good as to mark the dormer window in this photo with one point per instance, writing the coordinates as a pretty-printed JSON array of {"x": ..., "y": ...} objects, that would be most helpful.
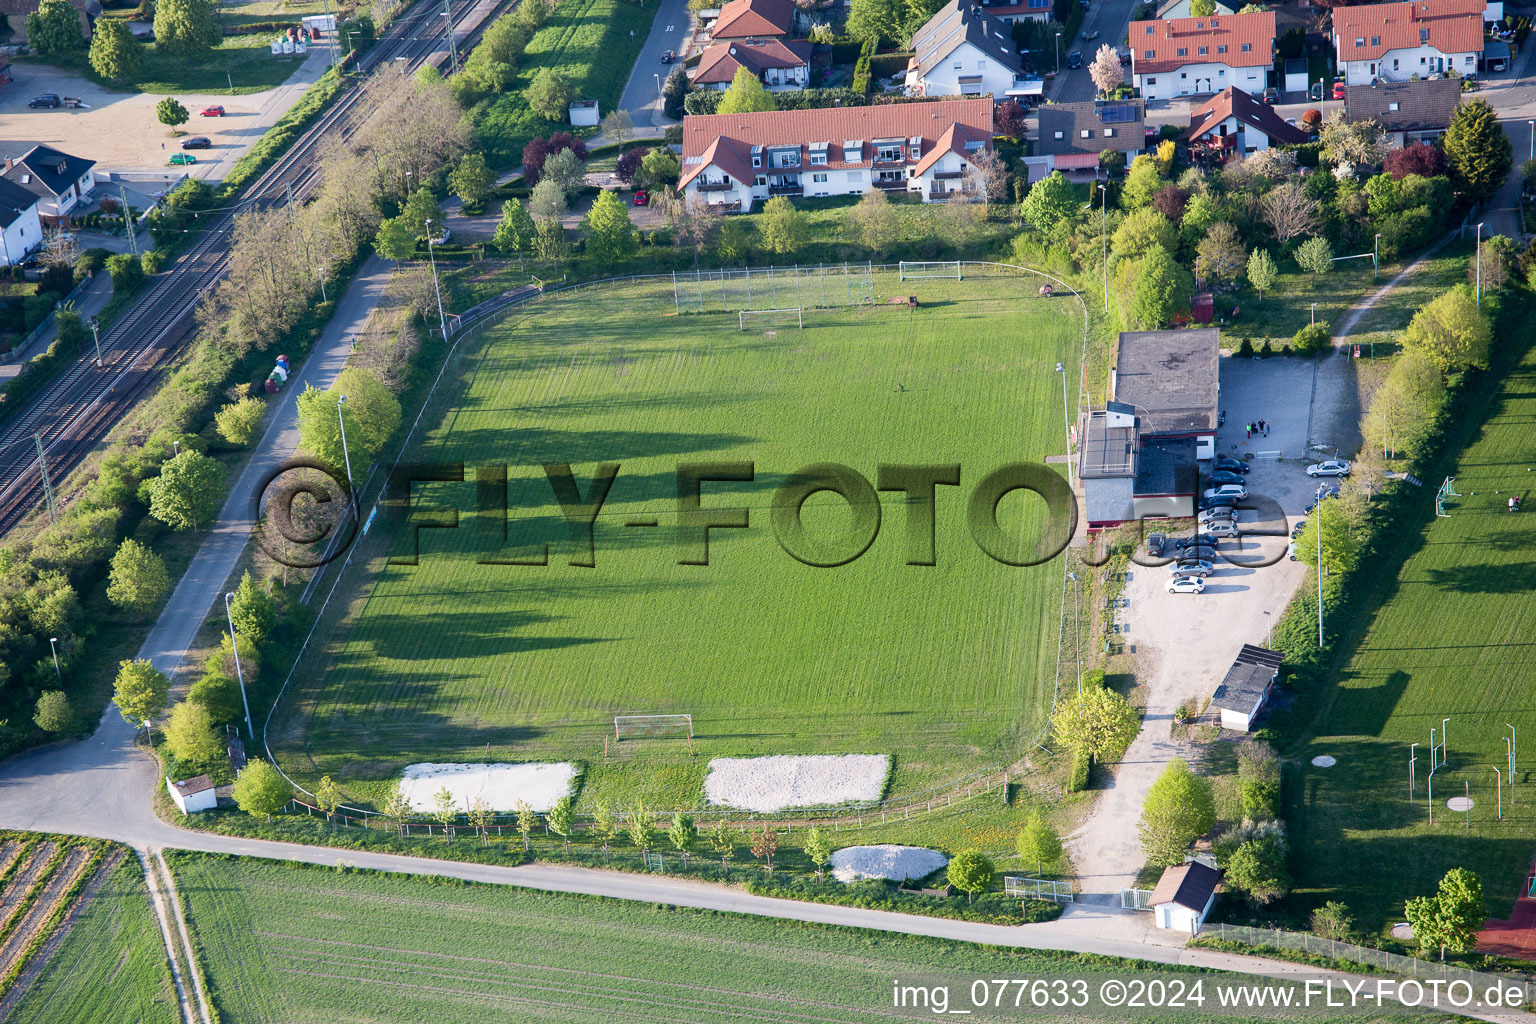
[
  {"x": 1148, "y": 54},
  {"x": 1183, "y": 51},
  {"x": 1375, "y": 40},
  {"x": 1359, "y": 41},
  {"x": 1222, "y": 48},
  {"x": 1423, "y": 35},
  {"x": 1151, "y": 29},
  {"x": 1247, "y": 48},
  {"x": 1204, "y": 50}
]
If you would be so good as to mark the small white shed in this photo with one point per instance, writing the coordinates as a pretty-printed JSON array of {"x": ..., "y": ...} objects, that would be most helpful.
[
  {"x": 193, "y": 795},
  {"x": 584, "y": 114},
  {"x": 1184, "y": 895},
  {"x": 1247, "y": 687}
]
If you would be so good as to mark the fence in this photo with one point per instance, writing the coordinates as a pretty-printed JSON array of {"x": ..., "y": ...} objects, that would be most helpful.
[
  {"x": 1038, "y": 889},
  {"x": 1394, "y": 963}
]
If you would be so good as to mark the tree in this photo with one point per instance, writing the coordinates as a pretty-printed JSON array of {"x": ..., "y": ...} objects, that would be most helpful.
[
  {"x": 874, "y": 20},
  {"x": 52, "y": 713},
  {"x": 971, "y": 872},
  {"x": 1050, "y": 201},
  {"x": 472, "y": 180},
  {"x": 140, "y": 691},
  {"x": 219, "y": 694},
  {"x": 1451, "y": 918},
  {"x": 628, "y": 164},
  {"x": 1038, "y": 842},
  {"x": 818, "y": 849},
  {"x": 114, "y": 53},
  {"x": 549, "y": 244},
  {"x": 1141, "y": 184},
  {"x": 618, "y": 126},
  {"x": 1202, "y": 8},
  {"x": 186, "y": 26},
  {"x": 516, "y": 230},
  {"x": 137, "y": 581},
  {"x": 549, "y": 94},
  {"x": 1332, "y": 921},
  {"x": 446, "y": 810},
  {"x": 874, "y": 221},
  {"x": 1289, "y": 212},
  {"x": 638, "y": 828},
  {"x": 238, "y": 421},
  {"x": 603, "y": 824},
  {"x": 675, "y": 92},
  {"x": 745, "y": 95},
  {"x": 562, "y": 820},
  {"x": 538, "y": 150},
  {"x": 1492, "y": 269},
  {"x": 733, "y": 242},
  {"x": 765, "y": 843},
  {"x": 658, "y": 167},
  {"x": 1402, "y": 411},
  {"x": 1477, "y": 150},
  {"x": 1451, "y": 331},
  {"x": 1170, "y": 201},
  {"x": 171, "y": 113},
  {"x": 1105, "y": 70},
  {"x": 372, "y": 415},
  {"x": 420, "y": 208},
  {"x": 526, "y": 820},
  {"x": 395, "y": 240},
  {"x": 610, "y": 235},
  {"x": 1352, "y": 142},
  {"x": 54, "y": 28},
  {"x": 1178, "y": 808},
  {"x": 1257, "y": 870},
  {"x": 1420, "y": 158},
  {"x": 683, "y": 833},
  {"x": 190, "y": 735},
  {"x": 187, "y": 491},
  {"x": 1010, "y": 120},
  {"x": 1315, "y": 255},
  {"x": 253, "y": 611},
  {"x": 1140, "y": 233},
  {"x": 1098, "y": 721},
  {"x": 1156, "y": 287},
  {"x": 782, "y": 227},
  {"x": 261, "y": 789},
  {"x": 1262, "y": 271},
  {"x": 396, "y": 806},
  {"x": 566, "y": 170},
  {"x": 547, "y": 203},
  {"x": 479, "y": 818},
  {"x": 1221, "y": 252},
  {"x": 724, "y": 843}
]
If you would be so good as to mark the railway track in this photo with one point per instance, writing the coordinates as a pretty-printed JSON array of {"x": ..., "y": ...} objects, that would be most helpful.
[{"x": 74, "y": 413}]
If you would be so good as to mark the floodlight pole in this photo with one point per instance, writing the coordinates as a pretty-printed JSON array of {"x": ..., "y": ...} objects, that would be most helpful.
[
  {"x": 1500, "y": 779},
  {"x": 1319, "y": 560},
  {"x": 345, "y": 454},
  {"x": 1103, "y": 239},
  {"x": 1413, "y": 758},
  {"x": 1058, "y": 53},
  {"x": 1445, "y": 736},
  {"x": 441, "y": 320},
  {"x": 234, "y": 645},
  {"x": 1479, "y": 265},
  {"x": 1511, "y": 753},
  {"x": 53, "y": 645},
  {"x": 1431, "y": 795},
  {"x": 1066, "y": 421}
]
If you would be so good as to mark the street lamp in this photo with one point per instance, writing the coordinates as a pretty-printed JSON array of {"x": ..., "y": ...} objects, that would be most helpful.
[
  {"x": 1058, "y": 53},
  {"x": 1376, "y": 254},
  {"x": 1319, "y": 547},
  {"x": 1413, "y": 758},
  {"x": 1269, "y": 632},
  {"x": 1512, "y": 736},
  {"x": 234, "y": 645},
  {"x": 1479, "y": 265},
  {"x": 1066, "y": 421},
  {"x": 320, "y": 273},
  {"x": 659, "y": 97},
  {"x": 1532, "y": 126},
  {"x": 1104, "y": 239},
  {"x": 96, "y": 337},
  {"x": 53, "y": 645},
  {"x": 441, "y": 320},
  {"x": 341, "y": 401},
  {"x": 1314, "y": 314}
]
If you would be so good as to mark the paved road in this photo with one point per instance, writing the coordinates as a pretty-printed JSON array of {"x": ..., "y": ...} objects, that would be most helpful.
[{"x": 642, "y": 95}]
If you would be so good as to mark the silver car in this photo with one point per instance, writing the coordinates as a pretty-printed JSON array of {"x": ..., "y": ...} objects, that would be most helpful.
[
  {"x": 1191, "y": 567},
  {"x": 1329, "y": 467}
]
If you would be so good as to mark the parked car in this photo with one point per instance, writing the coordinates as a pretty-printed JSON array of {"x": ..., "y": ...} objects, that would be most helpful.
[
  {"x": 47, "y": 99},
  {"x": 213, "y": 111},
  {"x": 1075, "y": 59},
  {"x": 1221, "y": 501},
  {"x": 1224, "y": 476},
  {"x": 182, "y": 158},
  {"x": 1125, "y": 56},
  {"x": 642, "y": 197},
  {"x": 1155, "y": 542},
  {"x": 1222, "y": 528},
  {"x": 197, "y": 142},
  {"x": 1291, "y": 551},
  {"x": 668, "y": 57},
  {"x": 1230, "y": 464},
  {"x": 1338, "y": 89},
  {"x": 1271, "y": 95},
  {"x": 1089, "y": 37},
  {"x": 1186, "y": 585},
  {"x": 1217, "y": 513},
  {"x": 1329, "y": 467},
  {"x": 1237, "y": 491},
  {"x": 1199, "y": 540},
  {"x": 1191, "y": 567},
  {"x": 441, "y": 238},
  {"x": 1194, "y": 556},
  {"x": 1331, "y": 492},
  {"x": 1301, "y": 524}
]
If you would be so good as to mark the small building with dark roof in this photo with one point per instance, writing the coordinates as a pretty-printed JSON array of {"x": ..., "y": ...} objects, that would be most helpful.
[
  {"x": 1408, "y": 112},
  {"x": 1184, "y": 896},
  {"x": 1246, "y": 689},
  {"x": 1127, "y": 476},
  {"x": 59, "y": 181},
  {"x": 193, "y": 795},
  {"x": 1072, "y": 135},
  {"x": 1171, "y": 379}
]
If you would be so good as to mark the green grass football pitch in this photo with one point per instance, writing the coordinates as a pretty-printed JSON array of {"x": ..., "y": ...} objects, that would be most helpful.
[
  {"x": 1453, "y": 639},
  {"x": 948, "y": 667}
]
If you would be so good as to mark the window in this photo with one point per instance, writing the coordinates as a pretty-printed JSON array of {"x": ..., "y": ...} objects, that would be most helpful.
[
  {"x": 1423, "y": 35},
  {"x": 1183, "y": 74},
  {"x": 1204, "y": 50},
  {"x": 854, "y": 177},
  {"x": 1059, "y": 135},
  {"x": 1150, "y": 29},
  {"x": 760, "y": 180},
  {"x": 1394, "y": 63},
  {"x": 1183, "y": 51},
  {"x": 1148, "y": 54},
  {"x": 1109, "y": 133},
  {"x": 1471, "y": 61},
  {"x": 757, "y": 160},
  {"x": 1085, "y": 133},
  {"x": 819, "y": 179},
  {"x": 1247, "y": 48},
  {"x": 1221, "y": 49},
  {"x": 1359, "y": 41},
  {"x": 1375, "y": 40},
  {"x": 818, "y": 159},
  {"x": 957, "y": 66},
  {"x": 1151, "y": 81},
  {"x": 1392, "y": 107}
]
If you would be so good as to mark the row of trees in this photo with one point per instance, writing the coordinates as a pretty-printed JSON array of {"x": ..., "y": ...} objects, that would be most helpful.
[{"x": 182, "y": 27}]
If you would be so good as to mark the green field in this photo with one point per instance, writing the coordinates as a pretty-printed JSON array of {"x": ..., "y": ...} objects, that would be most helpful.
[
  {"x": 111, "y": 967},
  {"x": 246, "y": 60},
  {"x": 1451, "y": 639},
  {"x": 949, "y": 668}
]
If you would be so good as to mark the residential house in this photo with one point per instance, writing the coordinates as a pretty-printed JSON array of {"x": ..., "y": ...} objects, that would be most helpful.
[
  {"x": 193, "y": 795},
  {"x": 733, "y": 160},
  {"x": 744, "y": 20},
  {"x": 1246, "y": 689},
  {"x": 1019, "y": 10},
  {"x": 778, "y": 63},
  {"x": 59, "y": 181},
  {"x": 963, "y": 51},
  {"x": 1184, "y": 896},
  {"x": 1180, "y": 9},
  {"x": 20, "y": 229},
  {"x": 1195, "y": 56},
  {"x": 1072, "y": 135},
  {"x": 16, "y": 12},
  {"x": 1408, "y": 111},
  {"x": 1396, "y": 42},
  {"x": 1234, "y": 121}
]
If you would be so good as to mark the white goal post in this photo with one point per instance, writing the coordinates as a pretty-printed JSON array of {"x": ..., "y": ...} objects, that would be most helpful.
[
  {"x": 626, "y": 726},
  {"x": 783, "y": 316},
  {"x": 918, "y": 271}
]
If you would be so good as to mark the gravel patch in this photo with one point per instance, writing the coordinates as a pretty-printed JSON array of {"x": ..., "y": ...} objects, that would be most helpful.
[
  {"x": 502, "y": 785},
  {"x": 815, "y": 780},
  {"x": 894, "y": 863}
]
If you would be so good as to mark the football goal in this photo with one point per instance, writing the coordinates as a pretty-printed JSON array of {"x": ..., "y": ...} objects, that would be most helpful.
[
  {"x": 762, "y": 317},
  {"x": 636, "y": 726},
  {"x": 918, "y": 271}
]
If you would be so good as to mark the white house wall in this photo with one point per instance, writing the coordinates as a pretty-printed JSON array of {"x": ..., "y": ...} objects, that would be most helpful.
[
  {"x": 24, "y": 234},
  {"x": 1201, "y": 79},
  {"x": 944, "y": 78},
  {"x": 1402, "y": 65}
]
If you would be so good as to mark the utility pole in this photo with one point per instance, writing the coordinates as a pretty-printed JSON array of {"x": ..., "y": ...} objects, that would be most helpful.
[
  {"x": 42, "y": 468},
  {"x": 133, "y": 241},
  {"x": 441, "y": 319},
  {"x": 330, "y": 33},
  {"x": 453, "y": 46},
  {"x": 239, "y": 671},
  {"x": 1479, "y": 265},
  {"x": 96, "y": 336}
]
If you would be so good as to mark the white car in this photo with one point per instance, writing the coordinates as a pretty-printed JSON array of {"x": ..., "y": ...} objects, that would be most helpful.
[
  {"x": 1291, "y": 551},
  {"x": 1186, "y": 585},
  {"x": 1329, "y": 467},
  {"x": 1237, "y": 491}
]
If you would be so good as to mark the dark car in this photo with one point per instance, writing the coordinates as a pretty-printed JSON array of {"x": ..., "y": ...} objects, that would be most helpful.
[
  {"x": 668, "y": 57},
  {"x": 1224, "y": 476},
  {"x": 1301, "y": 524},
  {"x": 1218, "y": 501},
  {"x": 1271, "y": 95},
  {"x": 1330, "y": 492},
  {"x": 1155, "y": 542},
  {"x": 1125, "y": 57},
  {"x": 1075, "y": 59},
  {"x": 197, "y": 142},
  {"x": 1230, "y": 464},
  {"x": 47, "y": 99}
]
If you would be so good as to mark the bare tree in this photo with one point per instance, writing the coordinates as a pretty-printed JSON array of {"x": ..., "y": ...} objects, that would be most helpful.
[
  {"x": 986, "y": 177},
  {"x": 59, "y": 249},
  {"x": 1289, "y": 212}
]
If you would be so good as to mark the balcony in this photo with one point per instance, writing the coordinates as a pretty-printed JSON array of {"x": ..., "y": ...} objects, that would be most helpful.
[
  {"x": 947, "y": 175},
  {"x": 888, "y": 161},
  {"x": 716, "y": 186},
  {"x": 785, "y": 190}
]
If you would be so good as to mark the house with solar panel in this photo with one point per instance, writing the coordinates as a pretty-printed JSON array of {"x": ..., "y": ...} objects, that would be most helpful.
[
  {"x": 963, "y": 51},
  {"x": 1202, "y": 56},
  {"x": 1072, "y": 135}
]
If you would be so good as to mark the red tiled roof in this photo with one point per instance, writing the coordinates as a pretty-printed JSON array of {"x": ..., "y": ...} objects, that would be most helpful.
[
  {"x": 1450, "y": 26},
  {"x": 1233, "y": 102},
  {"x": 719, "y": 62},
  {"x": 726, "y": 140},
  {"x": 751, "y": 19},
  {"x": 1222, "y": 37}
]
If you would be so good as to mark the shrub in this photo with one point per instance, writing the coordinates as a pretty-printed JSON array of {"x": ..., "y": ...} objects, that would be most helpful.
[
  {"x": 1082, "y": 763},
  {"x": 126, "y": 271},
  {"x": 153, "y": 261},
  {"x": 237, "y": 422},
  {"x": 1311, "y": 339},
  {"x": 1245, "y": 350}
]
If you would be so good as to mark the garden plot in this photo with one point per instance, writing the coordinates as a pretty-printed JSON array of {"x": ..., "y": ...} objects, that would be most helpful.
[
  {"x": 501, "y": 785},
  {"x": 893, "y": 863},
  {"x": 783, "y": 781}
]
